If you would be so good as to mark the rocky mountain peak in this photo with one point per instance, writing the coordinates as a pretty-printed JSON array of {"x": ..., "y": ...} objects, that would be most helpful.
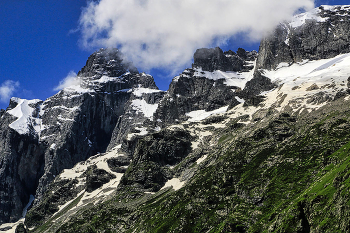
[
  {"x": 211, "y": 59},
  {"x": 109, "y": 62},
  {"x": 225, "y": 137},
  {"x": 319, "y": 34}
]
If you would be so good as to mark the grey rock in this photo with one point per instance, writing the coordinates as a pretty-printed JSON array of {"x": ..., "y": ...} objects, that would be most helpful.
[
  {"x": 95, "y": 178},
  {"x": 190, "y": 93},
  {"x": 215, "y": 59},
  {"x": 110, "y": 62},
  {"x": 20, "y": 167},
  {"x": 312, "y": 40},
  {"x": 57, "y": 194},
  {"x": 254, "y": 87},
  {"x": 152, "y": 154},
  {"x": 75, "y": 126}
]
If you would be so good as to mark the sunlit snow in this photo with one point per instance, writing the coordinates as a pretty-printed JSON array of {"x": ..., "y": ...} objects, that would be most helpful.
[
  {"x": 24, "y": 113},
  {"x": 142, "y": 106},
  {"x": 202, "y": 114}
]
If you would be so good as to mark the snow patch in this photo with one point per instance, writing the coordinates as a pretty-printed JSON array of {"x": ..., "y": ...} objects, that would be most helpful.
[
  {"x": 201, "y": 159},
  {"x": 231, "y": 78},
  {"x": 140, "y": 91},
  {"x": 106, "y": 79},
  {"x": 53, "y": 146},
  {"x": 332, "y": 62},
  {"x": 302, "y": 18},
  {"x": 175, "y": 183},
  {"x": 327, "y": 74},
  {"x": 202, "y": 114},
  {"x": 239, "y": 99},
  {"x": 25, "y": 119},
  {"x": 140, "y": 105}
]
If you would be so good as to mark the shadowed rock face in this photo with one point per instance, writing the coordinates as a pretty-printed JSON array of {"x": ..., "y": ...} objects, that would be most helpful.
[
  {"x": 191, "y": 94},
  {"x": 192, "y": 90},
  {"x": 95, "y": 178},
  {"x": 215, "y": 59},
  {"x": 152, "y": 155},
  {"x": 313, "y": 40},
  {"x": 74, "y": 126}
]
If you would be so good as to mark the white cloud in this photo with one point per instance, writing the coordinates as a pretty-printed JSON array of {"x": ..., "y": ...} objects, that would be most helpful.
[
  {"x": 166, "y": 33},
  {"x": 69, "y": 81},
  {"x": 7, "y": 89}
]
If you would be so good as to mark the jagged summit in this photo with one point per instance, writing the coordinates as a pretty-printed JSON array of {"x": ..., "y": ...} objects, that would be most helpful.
[
  {"x": 109, "y": 62},
  {"x": 41, "y": 138},
  {"x": 107, "y": 70},
  {"x": 215, "y": 59}
]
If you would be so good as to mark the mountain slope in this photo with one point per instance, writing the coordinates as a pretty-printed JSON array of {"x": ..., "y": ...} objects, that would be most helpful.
[{"x": 228, "y": 148}]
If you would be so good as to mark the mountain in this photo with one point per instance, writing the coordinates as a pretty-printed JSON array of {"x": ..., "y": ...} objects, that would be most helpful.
[{"x": 241, "y": 142}]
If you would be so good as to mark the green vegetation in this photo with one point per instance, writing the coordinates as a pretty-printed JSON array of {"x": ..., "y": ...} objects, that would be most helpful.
[{"x": 287, "y": 174}]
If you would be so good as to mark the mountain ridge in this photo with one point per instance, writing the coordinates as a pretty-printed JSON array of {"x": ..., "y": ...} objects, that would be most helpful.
[{"x": 228, "y": 148}]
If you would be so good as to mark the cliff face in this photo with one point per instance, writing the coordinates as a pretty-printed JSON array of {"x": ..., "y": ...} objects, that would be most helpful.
[
  {"x": 214, "y": 81},
  {"x": 319, "y": 34},
  {"x": 41, "y": 138}
]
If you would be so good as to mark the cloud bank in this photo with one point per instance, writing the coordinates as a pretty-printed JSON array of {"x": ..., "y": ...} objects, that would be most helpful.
[
  {"x": 69, "y": 81},
  {"x": 7, "y": 89},
  {"x": 165, "y": 33}
]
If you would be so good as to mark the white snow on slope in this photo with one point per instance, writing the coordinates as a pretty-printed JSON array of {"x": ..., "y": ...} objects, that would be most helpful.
[
  {"x": 82, "y": 85},
  {"x": 106, "y": 79},
  {"x": 77, "y": 88},
  {"x": 140, "y": 105},
  {"x": 336, "y": 7},
  {"x": 238, "y": 79},
  {"x": 301, "y": 19},
  {"x": 231, "y": 78},
  {"x": 100, "y": 161},
  {"x": 97, "y": 160},
  {"x": 175, "y": 183},
  {"x": 143, "y": 131},
  {"x": 321, "y": 70},
  {"x": 332, "y": 62},
  {"x": 139, "y": 91},
  {"x": 10, "y": 227},
  {"x": 327, "y": 75},
  {"x": 24, "y": 113},
  {"x": 202, "y": 114}
]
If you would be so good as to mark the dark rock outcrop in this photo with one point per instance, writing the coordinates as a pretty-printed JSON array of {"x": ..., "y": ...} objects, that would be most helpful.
[
  {"x": 95, "y": 178},
  {"x": 118, "y": 164},
  {"x": 215, "y": 59},
  {"x": 21, "y": 159},
  {"x": 152, "y": 155},
  {"x": 193, "y": 90},
  {"x": 259, "y": 83},
  {"x": 60, "y": 192},
  {"x": 192, "y": 93},
  {"x": 110, "y": 62}
]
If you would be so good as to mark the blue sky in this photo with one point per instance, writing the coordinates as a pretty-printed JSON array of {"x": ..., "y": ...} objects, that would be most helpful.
[{"x": 38, "y": 46}]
